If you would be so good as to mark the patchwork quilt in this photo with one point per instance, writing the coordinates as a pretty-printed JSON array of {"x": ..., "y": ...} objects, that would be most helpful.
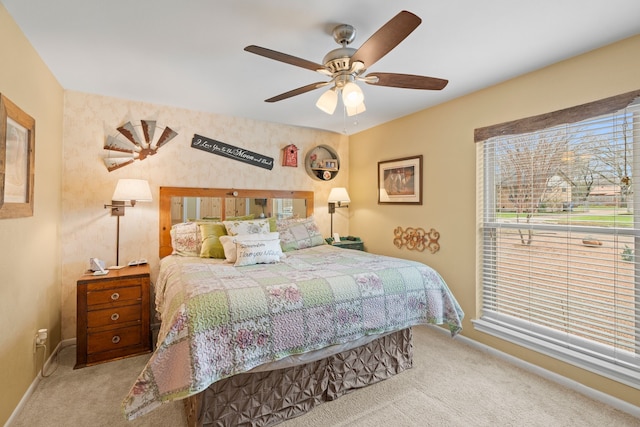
[{"x": 219, "y": 320}]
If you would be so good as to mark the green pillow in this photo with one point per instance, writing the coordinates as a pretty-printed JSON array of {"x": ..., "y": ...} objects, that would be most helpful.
[{"x": 210, "y": 233}]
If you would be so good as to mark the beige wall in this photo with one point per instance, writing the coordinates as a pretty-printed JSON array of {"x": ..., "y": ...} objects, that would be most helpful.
[
  {"x": 42, "y": 256},
  {"x": 89, "y": 230},
  {"x": 444, "y": 136},
  {"x": 30, "y": 254}
]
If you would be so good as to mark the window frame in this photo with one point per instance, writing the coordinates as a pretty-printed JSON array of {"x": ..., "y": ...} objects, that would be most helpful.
[{"x": 594, "y": 357}]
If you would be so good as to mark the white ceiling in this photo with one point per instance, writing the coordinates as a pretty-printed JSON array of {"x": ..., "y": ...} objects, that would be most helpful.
[{"x": 190, "y": 53}]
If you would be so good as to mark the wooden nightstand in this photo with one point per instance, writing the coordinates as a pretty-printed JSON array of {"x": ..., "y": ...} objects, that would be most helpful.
[
  {"x": 113, "y": 316},
  {"x": 347, "y": 244}
]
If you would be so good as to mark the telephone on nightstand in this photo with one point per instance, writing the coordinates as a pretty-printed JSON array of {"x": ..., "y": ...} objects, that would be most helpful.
[{"x": 97, "y": 266}]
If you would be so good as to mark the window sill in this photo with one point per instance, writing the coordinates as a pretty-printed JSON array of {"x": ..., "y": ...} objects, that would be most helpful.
[{"x": 621, "y": 374}]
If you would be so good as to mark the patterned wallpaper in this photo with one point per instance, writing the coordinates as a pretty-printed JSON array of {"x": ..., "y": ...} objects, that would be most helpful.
[{"x": 88, "y": 229}]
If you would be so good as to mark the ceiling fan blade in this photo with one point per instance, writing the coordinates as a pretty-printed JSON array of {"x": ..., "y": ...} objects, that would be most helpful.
[
  {"x": 386, "y": 38},
  {"x": 298, "y": 91},
  {"x": 283, "y": 57},
  {"x": 407, "y": 81}
]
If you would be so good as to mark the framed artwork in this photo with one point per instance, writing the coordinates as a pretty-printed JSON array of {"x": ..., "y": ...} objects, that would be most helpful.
[
  {"x": 17, "y": 160},
  {"x": 330, "y": 164},
  {"x": 400, "y": 181}
]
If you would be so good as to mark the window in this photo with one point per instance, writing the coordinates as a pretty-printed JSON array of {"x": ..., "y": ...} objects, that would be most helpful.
[{"x": 560, "y": 234}]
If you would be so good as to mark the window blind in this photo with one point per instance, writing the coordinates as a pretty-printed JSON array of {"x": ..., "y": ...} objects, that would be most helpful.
[{"x": 560, "y": 240}]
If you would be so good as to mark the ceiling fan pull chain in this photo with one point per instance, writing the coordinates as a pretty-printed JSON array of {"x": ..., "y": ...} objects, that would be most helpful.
[{"x": 344, "y": 119}]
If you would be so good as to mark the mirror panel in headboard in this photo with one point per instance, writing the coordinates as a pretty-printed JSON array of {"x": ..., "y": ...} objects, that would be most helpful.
[{"x": 180, "y": 204}]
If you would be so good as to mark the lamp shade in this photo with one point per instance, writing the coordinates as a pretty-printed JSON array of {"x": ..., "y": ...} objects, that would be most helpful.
[
  {"x": 352, "y": 111},
  {"x": 132, "y": 189},
  {"x": 328, "y": 101},
  {"x": 339, "y": 195},
  {"x": 352, "y": 95}
]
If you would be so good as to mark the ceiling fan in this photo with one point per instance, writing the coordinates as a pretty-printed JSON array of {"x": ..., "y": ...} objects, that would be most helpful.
[{"x": 346, "y": 66}]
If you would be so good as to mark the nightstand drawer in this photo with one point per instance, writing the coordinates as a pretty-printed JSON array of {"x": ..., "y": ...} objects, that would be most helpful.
[
  {"x": 113, "y": 339},
  {"x": 115, "y": 316},
  {"x": 111, "y": 296}
]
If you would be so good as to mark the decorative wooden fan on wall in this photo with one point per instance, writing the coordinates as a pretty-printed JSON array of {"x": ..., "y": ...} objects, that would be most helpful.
[{"x": 135, "y": 142}]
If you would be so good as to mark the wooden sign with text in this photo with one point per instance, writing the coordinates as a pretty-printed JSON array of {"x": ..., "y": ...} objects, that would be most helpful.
[{"x": 231, "y": 152}]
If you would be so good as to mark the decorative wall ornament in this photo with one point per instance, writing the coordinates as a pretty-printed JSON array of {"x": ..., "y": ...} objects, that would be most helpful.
[
  {"x": 225, "y": 150},
  {"x": 290, "y": 156},
  {"x": 416, "y": 239},
  {"x": 322, "y": 163},
  {"x": 135, "y": 142}
]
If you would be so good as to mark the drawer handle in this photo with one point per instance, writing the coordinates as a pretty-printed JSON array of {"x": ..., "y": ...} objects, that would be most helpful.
[
  {"x": 115, "y": 339},
  {"x": 115, "y": 316},
  {"x": 115, "y": 296}
]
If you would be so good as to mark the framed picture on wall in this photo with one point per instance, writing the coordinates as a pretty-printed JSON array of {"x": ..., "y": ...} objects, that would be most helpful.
[
  {"x": 17, "y": 160},
  {"x": 331, "y": 164},
  {"x": 400, "y": 181}
]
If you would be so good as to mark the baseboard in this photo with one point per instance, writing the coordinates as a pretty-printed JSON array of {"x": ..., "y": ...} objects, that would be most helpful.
[
  {"x": 38, "y": 378},
  {"x": 551, "y": 376}
]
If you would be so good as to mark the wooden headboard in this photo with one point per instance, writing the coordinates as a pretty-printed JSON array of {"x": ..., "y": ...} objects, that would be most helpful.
[{"x": 167, "y": 193}]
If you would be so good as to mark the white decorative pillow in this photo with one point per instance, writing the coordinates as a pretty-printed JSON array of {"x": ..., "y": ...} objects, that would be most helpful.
[
  {"x": 299, "y": 234},
  {"x": 258, "y": 252},
  {"x": 229, "y": 242},
  {"x": 254, "y": 226},
  {"x": 185, "y": 239}
]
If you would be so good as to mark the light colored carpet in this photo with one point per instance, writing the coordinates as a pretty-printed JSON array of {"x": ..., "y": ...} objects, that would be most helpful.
[{"x": 451, "y": 384}]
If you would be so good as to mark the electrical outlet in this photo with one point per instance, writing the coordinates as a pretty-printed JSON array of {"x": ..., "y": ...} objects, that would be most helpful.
[{"x": 40, "y": 338}]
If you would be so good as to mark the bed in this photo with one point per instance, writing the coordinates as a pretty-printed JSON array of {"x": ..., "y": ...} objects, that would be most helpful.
[{"x": 287, "y": 323}]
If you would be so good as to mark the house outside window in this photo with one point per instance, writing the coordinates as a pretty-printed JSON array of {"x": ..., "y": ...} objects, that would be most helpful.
[{"x": 560, "y": 229}]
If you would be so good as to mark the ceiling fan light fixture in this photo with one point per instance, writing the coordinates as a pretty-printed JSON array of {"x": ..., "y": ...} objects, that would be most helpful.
[
  {"x": 352, "y": 111},
  {"x": 346, "y": 65},
  {"x": 352, "y": 95},
  {"x": 328, "y": 101}
]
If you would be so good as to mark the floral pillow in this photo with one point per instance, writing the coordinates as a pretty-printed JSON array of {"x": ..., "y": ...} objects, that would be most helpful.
[
  {"x": 299, "y": 234},
  {"x": 254, "y": 226},
  {"x": 229, "y": 243},
  {"x": 185, "y": 239},
  {"x": 251, "y": 252}
]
